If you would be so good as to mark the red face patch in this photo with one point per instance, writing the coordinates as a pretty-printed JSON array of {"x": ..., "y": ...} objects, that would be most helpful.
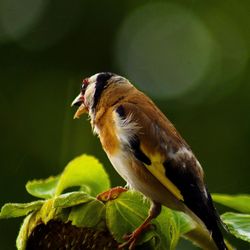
[{"x": 85, "y": 83}]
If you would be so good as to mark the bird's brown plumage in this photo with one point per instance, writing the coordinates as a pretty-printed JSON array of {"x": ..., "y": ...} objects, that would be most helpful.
[
  {"x": 157, "y": 135},
  {"x": 153, "y": 157}
]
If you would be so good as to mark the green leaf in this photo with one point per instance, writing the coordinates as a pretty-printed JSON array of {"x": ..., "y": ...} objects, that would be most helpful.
[
  {"x": 129, "y": 210},
  {"x": 11, "y": 210},
  {"x": 238, "y": 202},
  {"x": 183, "y": 222},
  {"x": 87, "y": 215},
  {"x": 71, "y": 199},
  {"x": 171, "y": 225},
  {"x": 126, "y": 213},
  {"x": 238, "y": 225},
  {"x": 84, "y": 171},
  {"x": 43, "y": 188},
  {"x": 23, "y": 233},
  {"x": 167, "y": 229}
]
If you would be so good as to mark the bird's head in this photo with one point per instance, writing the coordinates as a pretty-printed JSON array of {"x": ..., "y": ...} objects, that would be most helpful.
[{"x": 91, "y": 91}]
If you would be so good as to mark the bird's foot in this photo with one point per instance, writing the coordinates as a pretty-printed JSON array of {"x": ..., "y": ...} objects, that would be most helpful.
[
  {"x": 111, "y": 194},
  {"x": 131, "y": 239}
]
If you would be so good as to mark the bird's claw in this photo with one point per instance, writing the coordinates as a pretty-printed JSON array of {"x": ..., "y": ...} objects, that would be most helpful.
[{"x": 131, "y": 239}]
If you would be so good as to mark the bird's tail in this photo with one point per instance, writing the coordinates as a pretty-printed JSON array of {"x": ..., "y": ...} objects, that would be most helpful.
[
  {"x": 208, "y": 237},
  {"x": 212, "y": 223},
  {"x": 202, "y": 238}
]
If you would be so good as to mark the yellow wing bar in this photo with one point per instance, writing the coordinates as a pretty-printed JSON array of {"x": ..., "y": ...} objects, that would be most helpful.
[{"x": 157, "y": 169}]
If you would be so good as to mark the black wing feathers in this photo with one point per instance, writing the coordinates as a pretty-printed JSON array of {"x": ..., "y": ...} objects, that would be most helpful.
[
  {"x": 139, "y": 155},
  {"x": 120, "y": 111},
  {"x": 196, "y": 195}
]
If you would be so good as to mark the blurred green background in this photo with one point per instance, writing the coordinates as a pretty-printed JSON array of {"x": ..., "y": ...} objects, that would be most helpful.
[{"x": 191, "y": 57}]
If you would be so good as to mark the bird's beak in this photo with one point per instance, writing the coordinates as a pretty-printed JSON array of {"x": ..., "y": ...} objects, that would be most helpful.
[{"x": 82, "y": 109}]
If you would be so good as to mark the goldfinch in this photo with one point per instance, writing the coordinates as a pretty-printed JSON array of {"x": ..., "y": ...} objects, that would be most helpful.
[{"x": 150, "y": 155}]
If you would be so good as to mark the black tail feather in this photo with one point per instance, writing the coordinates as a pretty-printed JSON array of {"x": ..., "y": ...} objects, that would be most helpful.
[{"x": 212, "y": 222}]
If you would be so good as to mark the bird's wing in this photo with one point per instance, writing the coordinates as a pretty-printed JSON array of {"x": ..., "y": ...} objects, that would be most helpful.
[
  {"x": 164, "y": 153},
  {"x": 168, "y": 157}
]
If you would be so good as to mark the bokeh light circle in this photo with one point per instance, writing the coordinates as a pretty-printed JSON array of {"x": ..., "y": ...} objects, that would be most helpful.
[
  {"x": 17, "y": 18},
  {"x": 164, "y": 48}
]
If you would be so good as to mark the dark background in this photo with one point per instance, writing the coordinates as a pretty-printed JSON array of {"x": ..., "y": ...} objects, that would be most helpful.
[{"x": 190, "y": 57}]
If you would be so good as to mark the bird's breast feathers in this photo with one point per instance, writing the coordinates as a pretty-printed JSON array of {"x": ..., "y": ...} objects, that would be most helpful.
[{"x": 115, "y": 137}]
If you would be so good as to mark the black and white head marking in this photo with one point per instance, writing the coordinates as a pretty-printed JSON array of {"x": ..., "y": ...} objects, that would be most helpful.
[
  {"x": 96, "y": 84},
  {"x": 101, "y": 83}
]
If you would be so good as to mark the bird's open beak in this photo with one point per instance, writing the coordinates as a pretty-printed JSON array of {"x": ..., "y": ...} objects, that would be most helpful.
[{"x": 82, "y": 109}]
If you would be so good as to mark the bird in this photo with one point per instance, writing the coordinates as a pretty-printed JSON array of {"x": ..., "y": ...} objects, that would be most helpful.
[{"x": 148, "y": 152}]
